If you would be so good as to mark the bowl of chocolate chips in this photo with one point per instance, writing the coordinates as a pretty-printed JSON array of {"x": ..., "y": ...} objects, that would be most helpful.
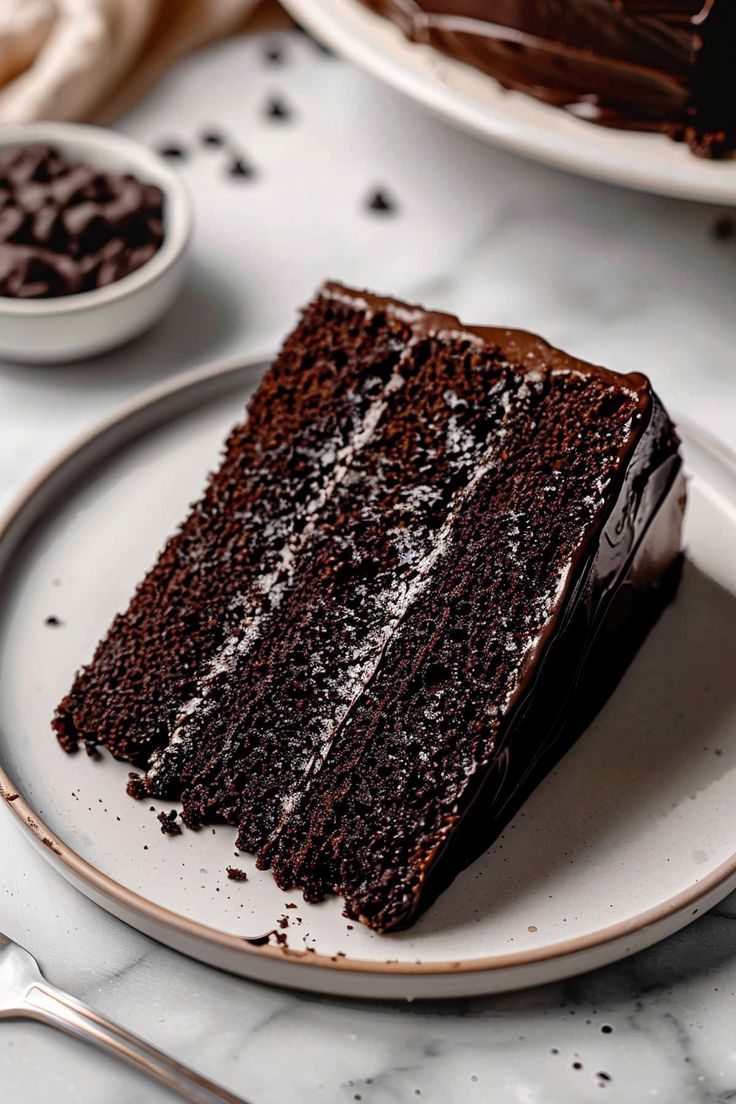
[{"x": 93, "y": 235}]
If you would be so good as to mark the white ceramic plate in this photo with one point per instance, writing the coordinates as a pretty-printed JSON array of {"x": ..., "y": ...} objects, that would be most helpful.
[
  {"x": 469, "y": 98},
  {"x": 631, "y": 837}
]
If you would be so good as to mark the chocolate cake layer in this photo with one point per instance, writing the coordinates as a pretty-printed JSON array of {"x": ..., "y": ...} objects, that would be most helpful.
[
  {"x": 667, "y": 65},
  {"x": 366, "y": 643}
]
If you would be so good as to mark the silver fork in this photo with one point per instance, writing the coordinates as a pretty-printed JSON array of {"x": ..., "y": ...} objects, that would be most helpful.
[{"x": 24, "y": 992}]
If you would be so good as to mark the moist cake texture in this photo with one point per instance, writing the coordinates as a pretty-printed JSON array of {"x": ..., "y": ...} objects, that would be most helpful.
[
  {"x": 428, "y": 554},
  {"x": 667, "y": 65}
]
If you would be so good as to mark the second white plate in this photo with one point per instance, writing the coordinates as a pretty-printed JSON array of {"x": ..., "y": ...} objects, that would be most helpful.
[
  {"x": 470, "y": 99},
  {"x": 627, "y": 840}
]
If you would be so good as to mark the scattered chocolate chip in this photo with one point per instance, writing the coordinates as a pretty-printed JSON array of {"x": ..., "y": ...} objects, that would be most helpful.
[
  {"x": 54, "y": 621},
  {"x": 380, "y": 201},
  {"x": 235, "y": 874},
  {"x": 604, "y": 1076},
  {"x": 240, "y": 167},
  {"x": 724, "y": 228},
  {"x": 169, "y": 827},
  {"x": 606, "y": 1029},
  {"x": 274, "y": 55},
  {"x": 173, "y": 152},
  {"x": 213, "y": 138},
  {"x": 577, "y": 1065},
  {"x": 277, "y": 108}
]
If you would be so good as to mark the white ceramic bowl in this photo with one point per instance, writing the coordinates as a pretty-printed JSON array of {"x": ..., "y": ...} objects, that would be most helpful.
[{"x": 74, "y": 326}]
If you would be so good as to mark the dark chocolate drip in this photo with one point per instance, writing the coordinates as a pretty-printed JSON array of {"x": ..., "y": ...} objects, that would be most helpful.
[{"x": 642, "y": 64}]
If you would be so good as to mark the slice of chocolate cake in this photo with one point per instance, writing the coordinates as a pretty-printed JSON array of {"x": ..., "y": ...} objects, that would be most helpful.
[{"x": 428, "y": 555}]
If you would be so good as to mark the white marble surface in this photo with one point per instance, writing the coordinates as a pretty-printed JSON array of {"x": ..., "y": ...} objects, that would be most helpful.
[{"x": 630, "y": 280}]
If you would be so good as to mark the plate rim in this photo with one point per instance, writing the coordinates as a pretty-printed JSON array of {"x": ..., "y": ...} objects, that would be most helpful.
[
  {"x": 505, "y": 130},
  {"x": 61, "y": 855}
]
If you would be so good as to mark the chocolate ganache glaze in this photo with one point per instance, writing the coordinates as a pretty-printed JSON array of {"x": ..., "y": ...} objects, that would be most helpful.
[{"x": 656, "y": 65}]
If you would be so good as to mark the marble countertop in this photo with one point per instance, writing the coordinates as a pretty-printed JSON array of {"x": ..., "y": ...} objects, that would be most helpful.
[{"x": 633, "y": 281}]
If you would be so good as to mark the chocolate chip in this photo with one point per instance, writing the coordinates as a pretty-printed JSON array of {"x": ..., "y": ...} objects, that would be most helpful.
[
  {"x": 173, "y": 152},
  {"x": 11, "y": 220},
  {"x": 169, "y": 827},
  {"x": 53, "y": 621},
  {"x": 277, "y": 108},
  {"x": 153, "y": 197},
  {"x": 213, "y": 138},
  {"x": 26, "y": 163},
  {"x": 48, "y": 228},
  {"x": 274, "y": 55},
  {"x": 72, "y": 186},
  {"x": 240, "y": 167},
  {"x": 33, "y": 197},
  {"x": 155, "y": 230},
  {"x": 235, "y": 874},
  {"x": 381, "y": 201}
]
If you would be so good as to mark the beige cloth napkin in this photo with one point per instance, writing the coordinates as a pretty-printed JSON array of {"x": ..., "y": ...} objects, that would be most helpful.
[{"x": 91, "y": 59}]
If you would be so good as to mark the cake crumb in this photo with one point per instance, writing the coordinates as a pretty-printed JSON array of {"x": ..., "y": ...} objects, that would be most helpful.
[
  {"x": 235, "y": 874},
  {"x": 136, "y": 786},
  {"x": 169, "y": 827}
]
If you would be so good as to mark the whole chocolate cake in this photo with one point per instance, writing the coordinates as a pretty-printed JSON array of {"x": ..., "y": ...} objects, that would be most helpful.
[
  {"x": 667, "y": 65},
  {"x": 428, "y": 554}
]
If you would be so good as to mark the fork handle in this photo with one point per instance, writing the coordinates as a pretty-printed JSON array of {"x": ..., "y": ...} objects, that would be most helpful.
[{"x": 52, "y": 1006}]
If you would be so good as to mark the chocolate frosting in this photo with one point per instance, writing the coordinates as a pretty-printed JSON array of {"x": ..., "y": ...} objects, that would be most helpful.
[{"x": 667, "y": 65}]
